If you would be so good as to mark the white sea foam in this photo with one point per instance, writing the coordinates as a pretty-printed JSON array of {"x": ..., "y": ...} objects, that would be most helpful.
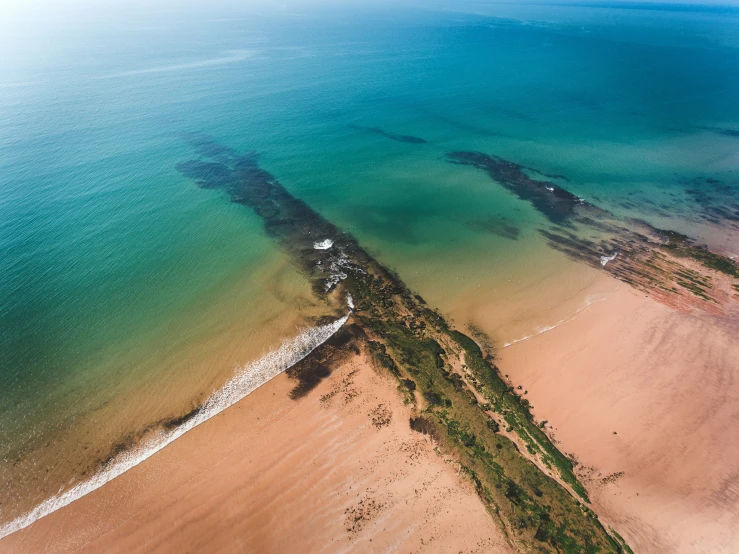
[
  {"x": 323, "y": 245},
  {"x": 589, "y": 301},
  {"x": 340, "y": 263},
  {"x": 605, "y": 259},
  {"x": 245, "y": 381},
  {"x": 522, "y": 339},
  {"x": 538, "y": 331}
]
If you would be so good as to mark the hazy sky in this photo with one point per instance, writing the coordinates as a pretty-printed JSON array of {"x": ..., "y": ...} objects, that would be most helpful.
[{"x": 17, "y": 15}]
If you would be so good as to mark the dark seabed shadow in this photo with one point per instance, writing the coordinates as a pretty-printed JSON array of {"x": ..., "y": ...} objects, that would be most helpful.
[
  {"x": 499, "y": 226},
  {"x": 408, "y": 139}
]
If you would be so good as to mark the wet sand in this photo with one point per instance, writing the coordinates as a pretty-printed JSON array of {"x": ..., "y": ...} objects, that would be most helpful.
[
  {"x": 645, "y": 398},
  {"x": 339, "y": 469}
]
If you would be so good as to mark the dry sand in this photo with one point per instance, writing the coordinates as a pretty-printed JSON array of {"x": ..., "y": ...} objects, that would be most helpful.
[
  {"x": 647, "y": 399},
  {"x": 336, "y": 471}
]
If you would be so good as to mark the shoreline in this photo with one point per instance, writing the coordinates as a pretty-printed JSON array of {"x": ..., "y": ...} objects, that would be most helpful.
[
  {"x": 561, "y": 378},
  {"x": 551, "y": 327},
  {"x": 140, "y": 387},
  {"x": 248, "y": 479},
  {"x": 245, "y": 381}
]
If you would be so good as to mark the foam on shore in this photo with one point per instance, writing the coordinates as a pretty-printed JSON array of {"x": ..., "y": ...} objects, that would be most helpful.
[
  {"x": 589, "y": 301},
  {"x": 245, "y": 381}
]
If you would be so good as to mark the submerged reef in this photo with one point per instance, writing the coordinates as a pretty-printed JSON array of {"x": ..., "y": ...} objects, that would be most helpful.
[
  {"x": 556, "y": 203},
  {"x": 499, "y": 226},
  {"x": 452, "y": 385},
  {"x": 667, "y": 265},
  {"x": 715, "y": 200},
  {"x": 723, "y": 131},
  {"x": 408, "y": 139}
]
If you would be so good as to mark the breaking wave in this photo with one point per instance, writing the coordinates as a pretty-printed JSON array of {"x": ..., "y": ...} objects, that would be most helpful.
[
  {"x": 245, "y": 381},
  {"x": 605, "y": 259},
  {"x": 323, "y": 245}
]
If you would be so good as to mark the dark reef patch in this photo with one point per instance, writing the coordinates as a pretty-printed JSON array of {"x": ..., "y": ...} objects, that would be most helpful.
[
  {"x": 206, "y": 174},
  {"x": 497, "y": 226},
  {"x": 287, "y": 219},
  {"x": 554, "y": 202},
  {"x": 715, "y": 200},
  {"x": 723, "y": 131},
  {"x": 668, "y": 265},
  {"x": 408, "y": 139}
]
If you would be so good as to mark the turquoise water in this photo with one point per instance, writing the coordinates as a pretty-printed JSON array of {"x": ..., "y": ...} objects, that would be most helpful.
[{"x": 127, "y": 293}]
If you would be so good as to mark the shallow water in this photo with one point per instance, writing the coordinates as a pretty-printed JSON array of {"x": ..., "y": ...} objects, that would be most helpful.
[{"x": 127, "y": 294}]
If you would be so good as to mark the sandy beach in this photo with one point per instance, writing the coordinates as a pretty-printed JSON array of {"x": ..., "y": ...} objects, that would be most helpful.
[
  {"x": 639, "y": 394},
  {"x": 644, "y": 397},
  {"x": 337, "y": 470}
]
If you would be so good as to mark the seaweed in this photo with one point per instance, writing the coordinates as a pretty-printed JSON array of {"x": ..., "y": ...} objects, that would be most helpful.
[
  {"x": 682, "y": 246},
  {"x": 555, "y": 202},
  {"x": 175, "y": 422},
  {"x": 647, "y": 258}
]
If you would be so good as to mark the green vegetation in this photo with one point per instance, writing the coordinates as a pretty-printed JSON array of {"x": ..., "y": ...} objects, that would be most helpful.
[
  {"x": 415, "y": 344},
  {"x": 622, "y": 542},
  {"x": 515, "y": 410},
  {"x": 683, "y": 247}
]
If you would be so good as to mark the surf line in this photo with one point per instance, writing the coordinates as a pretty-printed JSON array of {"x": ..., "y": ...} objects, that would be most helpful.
[
  {"x": 547, "y": 328},
  {"x": 244, "y": 382}
]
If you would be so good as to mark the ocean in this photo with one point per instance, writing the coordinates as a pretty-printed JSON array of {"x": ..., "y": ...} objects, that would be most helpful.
[{"x": 129, "y": 295}]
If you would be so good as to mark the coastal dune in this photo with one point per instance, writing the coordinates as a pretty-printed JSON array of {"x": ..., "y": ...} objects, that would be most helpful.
[{"x": 336, "y": 470}]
